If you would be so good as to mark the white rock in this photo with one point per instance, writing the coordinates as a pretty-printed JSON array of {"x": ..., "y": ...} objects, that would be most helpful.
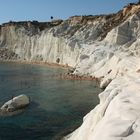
[
  {"x": 117, "y": 117},
  {"x": 18, "y": 102}
]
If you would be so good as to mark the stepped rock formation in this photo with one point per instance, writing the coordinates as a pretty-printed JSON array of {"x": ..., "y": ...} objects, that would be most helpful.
[{"x": 106, "y": 47}]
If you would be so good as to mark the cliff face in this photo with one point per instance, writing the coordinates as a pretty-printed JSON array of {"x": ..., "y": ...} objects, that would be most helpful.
[
  {"x": 50, "y": 41},
  {"x": 29, "y": 42},
  {"x": 106, "y": 47},
  {"x": 116, "y": 62}
]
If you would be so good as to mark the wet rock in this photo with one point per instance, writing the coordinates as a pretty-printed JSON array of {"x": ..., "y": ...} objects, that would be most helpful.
[{"x": 15, "y": 105}]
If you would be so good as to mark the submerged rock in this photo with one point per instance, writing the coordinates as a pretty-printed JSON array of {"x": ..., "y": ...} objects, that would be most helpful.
[{"x": 15, "y": 105}]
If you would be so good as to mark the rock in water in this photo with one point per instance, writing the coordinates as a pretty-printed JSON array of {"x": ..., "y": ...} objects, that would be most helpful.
[{"x": 15, "y": 104}]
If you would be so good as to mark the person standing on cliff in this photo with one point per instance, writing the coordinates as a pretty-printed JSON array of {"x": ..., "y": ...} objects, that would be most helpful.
[{"x": 51, "y": 17}]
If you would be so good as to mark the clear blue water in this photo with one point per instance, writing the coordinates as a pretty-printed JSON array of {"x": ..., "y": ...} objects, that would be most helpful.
[{"x": 57, "y": 105}]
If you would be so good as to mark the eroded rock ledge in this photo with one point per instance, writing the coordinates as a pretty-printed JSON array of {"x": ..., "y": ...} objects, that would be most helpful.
[{"x": 116, "y": 60}]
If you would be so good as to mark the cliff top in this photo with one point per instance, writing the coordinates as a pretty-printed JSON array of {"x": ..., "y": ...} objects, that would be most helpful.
[
  {"x": 111, "y": 21},
  {"x": 29, "y": 24}
]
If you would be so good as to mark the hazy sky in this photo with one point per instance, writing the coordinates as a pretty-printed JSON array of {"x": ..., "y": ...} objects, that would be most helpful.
[{"x": 41, "y": 10}]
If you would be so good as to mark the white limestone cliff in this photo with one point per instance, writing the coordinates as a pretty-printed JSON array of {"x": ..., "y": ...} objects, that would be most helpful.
[
  {"x": 40, "y": 47},
  {"x": 63, "y": 41},
  {"x": 106, "y": 47},
  {"x": 116, "y": 61}
]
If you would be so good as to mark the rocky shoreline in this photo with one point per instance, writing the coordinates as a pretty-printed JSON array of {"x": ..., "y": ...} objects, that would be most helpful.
[{"x": 105, "y": 48}]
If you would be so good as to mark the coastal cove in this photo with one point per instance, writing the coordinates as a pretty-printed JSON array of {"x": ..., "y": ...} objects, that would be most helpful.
[
  {"x": 57, "y": 105},
  {"x": 60, "y": 65}
]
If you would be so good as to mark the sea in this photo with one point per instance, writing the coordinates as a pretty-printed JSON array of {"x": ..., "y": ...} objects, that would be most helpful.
[{"x": 57, "y": 105}]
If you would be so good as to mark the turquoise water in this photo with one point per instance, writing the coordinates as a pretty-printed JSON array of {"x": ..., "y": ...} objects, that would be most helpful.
[{"x": 57, "y": 105}]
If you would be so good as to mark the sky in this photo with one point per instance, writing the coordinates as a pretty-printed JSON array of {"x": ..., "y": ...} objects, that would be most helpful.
[{"x": 42, "y": 10}]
